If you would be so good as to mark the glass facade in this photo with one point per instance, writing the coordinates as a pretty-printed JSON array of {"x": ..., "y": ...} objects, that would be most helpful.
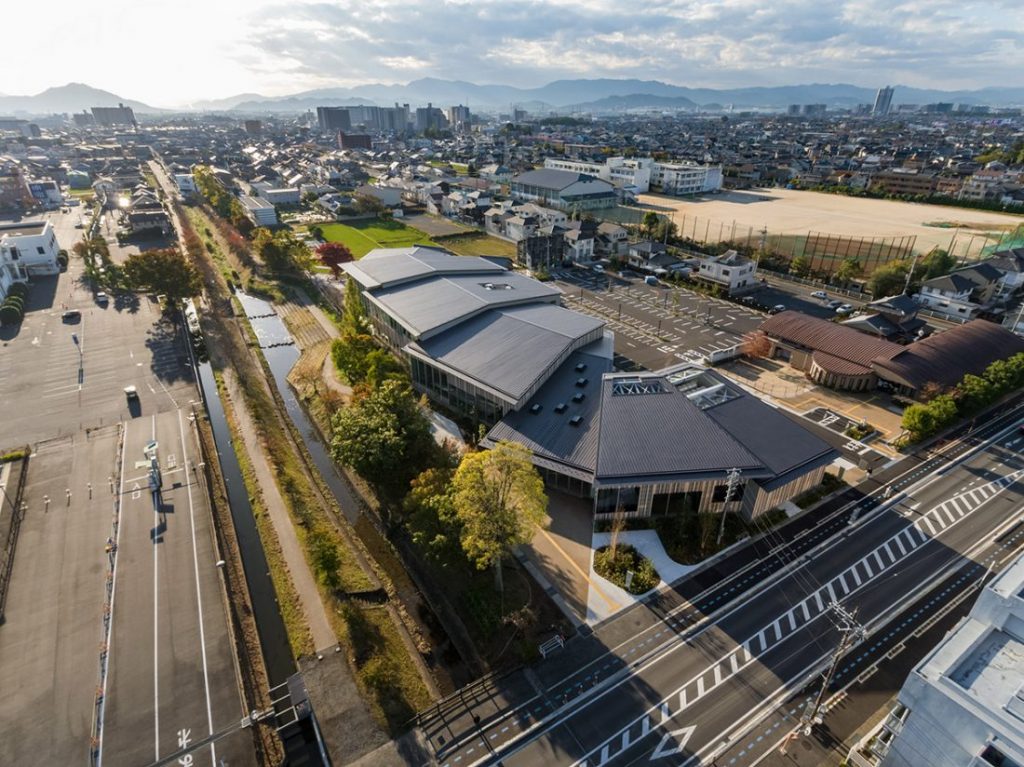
[{"x": 456, "y": 393}]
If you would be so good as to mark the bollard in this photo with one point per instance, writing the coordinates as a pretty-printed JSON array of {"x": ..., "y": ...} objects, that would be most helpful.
[
  {"x": 89, "y": 485},
  {"x": 46, "y": 502},
  {"x": 68, "y": 491},
  {"x": 110, "y": 479}
]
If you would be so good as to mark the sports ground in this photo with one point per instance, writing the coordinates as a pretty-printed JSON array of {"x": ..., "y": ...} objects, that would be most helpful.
[{"x": 793, "y": 212}]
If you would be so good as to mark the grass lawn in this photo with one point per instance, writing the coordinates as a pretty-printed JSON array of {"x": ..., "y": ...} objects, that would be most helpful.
[
  {"x": 478, "y": 244},
  {"x": 363, "y": 236}
]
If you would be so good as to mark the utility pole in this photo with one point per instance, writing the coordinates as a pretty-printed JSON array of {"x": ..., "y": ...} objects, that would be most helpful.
[
  {"x": 734, "y": 482},
  {"x": 851, "y": 632}
]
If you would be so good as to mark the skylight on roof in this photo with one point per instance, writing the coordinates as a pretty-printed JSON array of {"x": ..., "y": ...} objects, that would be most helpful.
[
  {"x": 628, "y": 387},
  {"x": 495, "y": 286}
]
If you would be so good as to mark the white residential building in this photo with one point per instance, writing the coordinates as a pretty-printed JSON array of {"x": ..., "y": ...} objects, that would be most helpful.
[
  {"x": 26, "y": 249},
  {"x": 259, "y": 211},
  {"x": 730, "y": 270},
  {"x": 686, "y": 178},
  {"x": 642, "y": 174},
  {"x": 963, "y": 704}
]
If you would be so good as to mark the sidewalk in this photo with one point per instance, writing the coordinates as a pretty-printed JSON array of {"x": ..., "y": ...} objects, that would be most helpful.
[{"x": 291, "y": 549}]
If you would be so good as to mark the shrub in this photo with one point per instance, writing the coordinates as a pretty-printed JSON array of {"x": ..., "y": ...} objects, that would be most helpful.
[
  {"x": 18, "y": 289},
  {"x": 16, "y": 301},
  {"x": 13, "y": 455},
  {"x": 615, "y": 566},
  {"x": 10, "y": 315}
]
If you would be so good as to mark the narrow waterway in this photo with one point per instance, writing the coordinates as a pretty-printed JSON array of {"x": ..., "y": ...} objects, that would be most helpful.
[
  {"x": 277, "y": 654},
  {"x": 281, "y": 355}
]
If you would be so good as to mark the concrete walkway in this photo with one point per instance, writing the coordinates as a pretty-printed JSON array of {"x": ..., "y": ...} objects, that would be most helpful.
[{"x": 291, "y": 549}]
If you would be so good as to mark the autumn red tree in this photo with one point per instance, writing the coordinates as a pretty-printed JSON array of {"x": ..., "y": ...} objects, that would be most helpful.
[{"x": 333, "y": 255}]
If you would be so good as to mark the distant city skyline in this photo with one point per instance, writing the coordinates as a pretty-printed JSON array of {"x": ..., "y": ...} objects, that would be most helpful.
[{"x": 176, "y": 55}]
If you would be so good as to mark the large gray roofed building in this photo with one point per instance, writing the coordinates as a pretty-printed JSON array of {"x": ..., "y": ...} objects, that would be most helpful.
[
  {"x": 511, "y": 351},
  {"x": 652, "y": 430},
  {"x": 426, "y": 310},
  {"x": 549, "y": 178},
  {"x": 387, "y": 267},
  {"x": 546, "y": 425}
]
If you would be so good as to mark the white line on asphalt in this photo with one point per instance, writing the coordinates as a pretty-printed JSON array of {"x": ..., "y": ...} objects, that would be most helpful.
[
  {"x": 156, "y": 619},
  {"x": 113, "y": 593},
  {"x": 199, "y": 592}
]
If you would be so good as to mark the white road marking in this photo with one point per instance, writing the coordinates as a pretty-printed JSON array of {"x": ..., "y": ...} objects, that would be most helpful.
[
  {"x": 156, "y": 617},
  {"x": 199, "y": 593},
  {"x": 113, "y": 593}
]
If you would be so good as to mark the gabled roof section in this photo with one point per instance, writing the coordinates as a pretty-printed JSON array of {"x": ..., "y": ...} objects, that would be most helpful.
[
  {"x": 549, "y": 178},
  {"x": 835, "y": 340},
  {"x": 426, "y": 309},
  {"x": 508, "y": 350},
  {"x": 945, "y": 358},
  {"x": 657, "y": 431},
  {"x": 387, "y": 267}
]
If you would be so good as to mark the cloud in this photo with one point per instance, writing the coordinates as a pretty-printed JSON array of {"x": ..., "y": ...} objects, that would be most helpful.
[{"x": 722, "y": 43}]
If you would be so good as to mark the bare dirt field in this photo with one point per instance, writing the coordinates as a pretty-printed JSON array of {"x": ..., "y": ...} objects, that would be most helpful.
[{"x": 794, "y": 212}]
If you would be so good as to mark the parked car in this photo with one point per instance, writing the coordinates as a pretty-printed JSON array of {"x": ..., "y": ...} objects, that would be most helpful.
[
  {"x": 777, "y": 308},
  {"x": 834, "y": 304},
  {"x": 844, "y": 309},
  {"x": 650, "y": 279},
  {"x": 820, "y": 294},
  {"x": 598, "y": 268},
  {"x": 131, "y": 393},
  {"x": 102, "y": 299},
  {"x": 71, "y": 315}
]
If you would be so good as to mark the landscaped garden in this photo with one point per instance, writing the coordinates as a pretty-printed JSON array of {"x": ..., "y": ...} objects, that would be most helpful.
[{"x": 616, "y": 563}]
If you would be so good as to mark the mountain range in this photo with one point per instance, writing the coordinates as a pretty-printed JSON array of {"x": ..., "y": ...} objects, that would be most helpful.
[
  {"x": 560, "y": 95},
  {"x": 73, "y": 97}
]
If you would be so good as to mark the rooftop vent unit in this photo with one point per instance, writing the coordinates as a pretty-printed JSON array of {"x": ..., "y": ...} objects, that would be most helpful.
[
  {"x": 581, "y": 382},
  {"x": 576, "y": 420},
  {"x": 581, "y": 366},
  {"x": 578, "y": 396},
  {"x": 561, "y": 407},
  {"x": 536, "y": 408},
  {"x": 495, "y": 286}
]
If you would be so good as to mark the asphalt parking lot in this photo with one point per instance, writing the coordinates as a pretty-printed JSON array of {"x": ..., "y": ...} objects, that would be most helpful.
[
  {"x": 657, "y": 326},
  {"x": 54, "y": 386},
  {"x": 171, "y": 672},
  {"x": 100, "y": 577},
  {"x": 50, "y": 640}
]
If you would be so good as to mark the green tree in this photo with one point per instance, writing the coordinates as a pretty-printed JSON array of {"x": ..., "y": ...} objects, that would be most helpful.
[
  {"x": 385, "y": 437},
  {"x": 888, "y": 280},
  {"x": 499, "y": 498},
  {"x": 800, "y": 266},
  {"x": 650, "y": 222},
  {"x": 162, "y": 271},
  {"x": 430, "y": 518},
  {"x": 937, "y": 263},
  {"x": 975, "y": 392},
  {"x": 849, "y": 270},
  {"x": 367, "y": 203},
  {"x": 353, "y": 315}
]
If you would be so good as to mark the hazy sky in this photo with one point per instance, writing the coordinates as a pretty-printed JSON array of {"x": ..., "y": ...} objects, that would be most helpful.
[{"x": 175, "y": 52}]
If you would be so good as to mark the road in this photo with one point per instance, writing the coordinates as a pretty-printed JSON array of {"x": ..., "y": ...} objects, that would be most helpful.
[
  {"x": 684, "y": 693},
  {"x": 171, "y": 672}
]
